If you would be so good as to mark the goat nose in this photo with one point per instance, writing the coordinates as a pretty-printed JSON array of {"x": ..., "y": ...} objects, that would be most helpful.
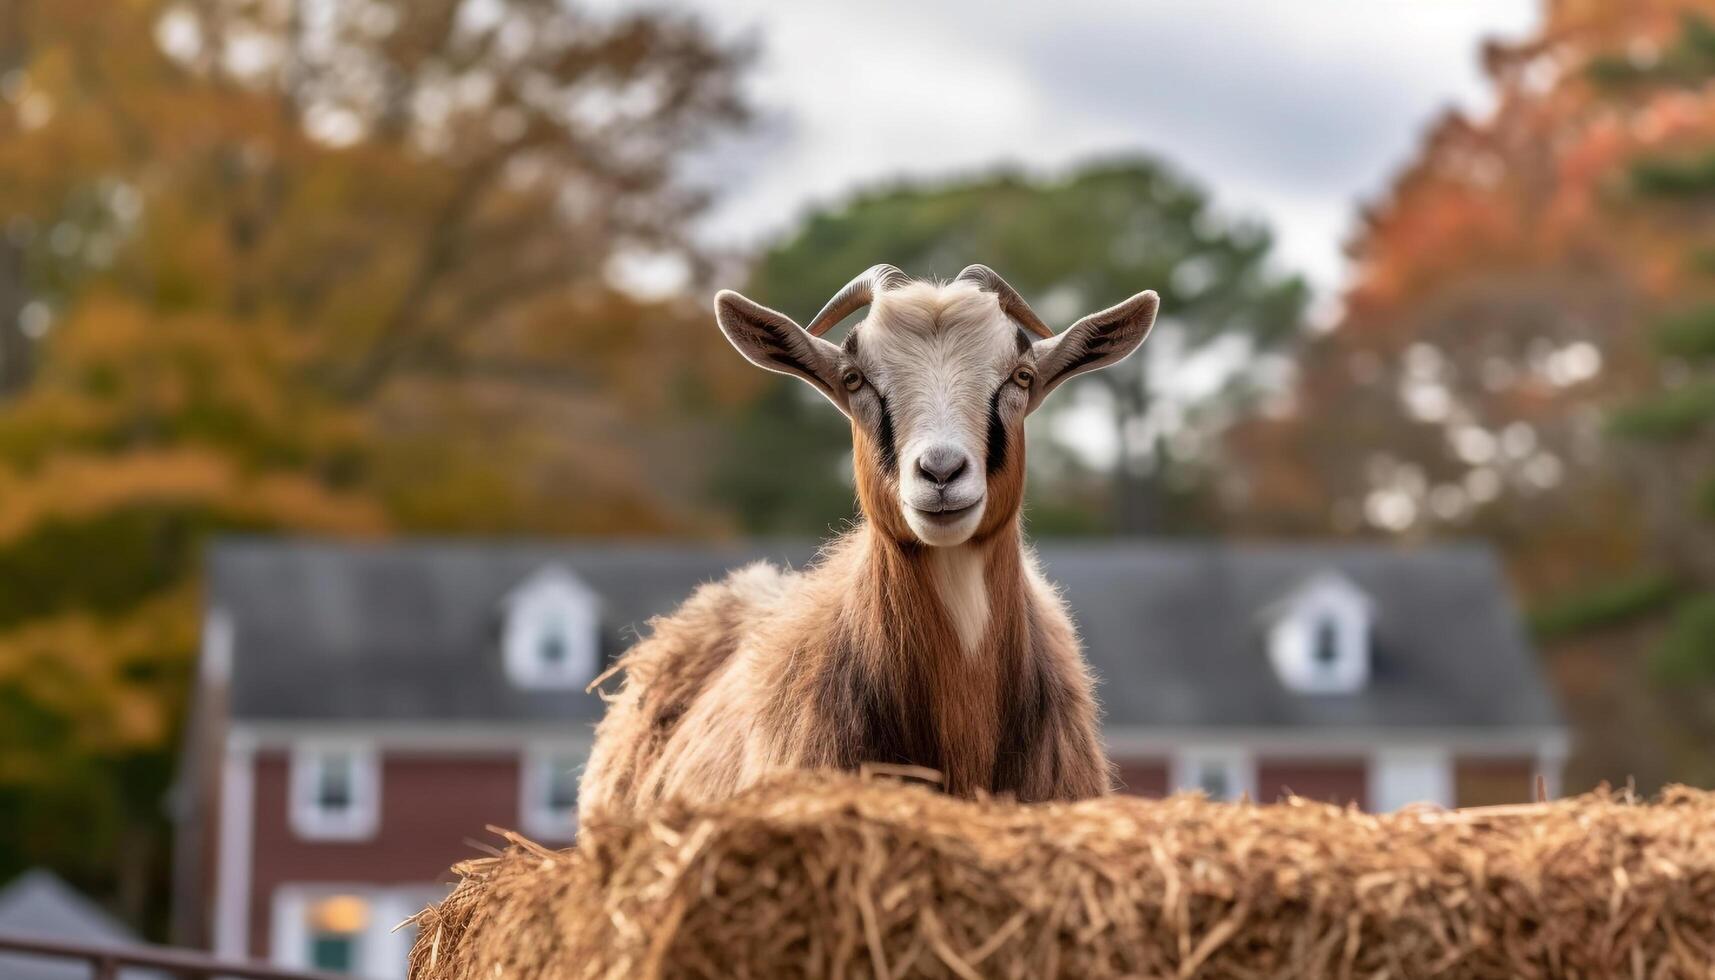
[{"x": 941, "y": 464}]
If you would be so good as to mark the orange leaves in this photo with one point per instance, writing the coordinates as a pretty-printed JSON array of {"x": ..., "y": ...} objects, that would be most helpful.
[
  {"x": 250, "y": 325},
  {"x": 295, "y": 302},
  {"x": 78, "y": 667},
  {"x": 82, "y": 486},
  {"x": 1512, "y": 241},
  {"x": 395, "y": 330}
]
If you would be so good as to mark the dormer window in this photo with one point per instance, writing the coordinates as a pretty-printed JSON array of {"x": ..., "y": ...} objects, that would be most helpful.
[
  {"x": 551, "y": 632},
  {"x": 1319, "y": 636},
  {"x": 552, "y": 649},
  {"x": 1326, "y": 647}
]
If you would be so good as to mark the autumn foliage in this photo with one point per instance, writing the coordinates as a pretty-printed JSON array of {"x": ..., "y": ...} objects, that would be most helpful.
[
  {"x": 331, "y": 268},
  {"x": 1523, "y": 354}
]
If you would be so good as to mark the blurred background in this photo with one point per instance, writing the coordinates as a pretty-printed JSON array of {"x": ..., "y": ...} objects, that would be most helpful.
[{"x": 379, "y": 271}]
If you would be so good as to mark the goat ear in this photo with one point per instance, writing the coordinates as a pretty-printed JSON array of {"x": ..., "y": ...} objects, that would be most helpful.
[
  {"x": 771, "y": 340},
  {"x": 1096, "y": 341}
]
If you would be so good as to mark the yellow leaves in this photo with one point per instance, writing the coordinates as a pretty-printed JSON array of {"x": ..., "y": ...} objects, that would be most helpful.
[
  {"x": 82, "y": 486},
  {"x": 266, "y": 270},
  {"x": 116, "y": 375},
  {"x": 290, "y": 500},
  {"x": 492, "y": 461},
  {"x": 76, "y": 666},
  {"x": 73, "y": 487},
  {"x": 256, "y": 330}
]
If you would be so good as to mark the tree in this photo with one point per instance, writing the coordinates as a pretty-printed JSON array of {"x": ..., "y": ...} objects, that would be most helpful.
[
  {"x": 1070, "y": 244},
  {"x": 1667, "y": 202},
  {"x": 335, "y": 268},
  {"x": 1499, "y": 311}
]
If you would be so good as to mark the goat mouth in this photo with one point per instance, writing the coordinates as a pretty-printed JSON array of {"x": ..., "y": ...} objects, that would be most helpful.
[{"x": 948, "y": 515}]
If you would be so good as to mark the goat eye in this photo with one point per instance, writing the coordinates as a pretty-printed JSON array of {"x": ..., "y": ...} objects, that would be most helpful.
[
  {"x": 853, "y": 380},
  {"x": 1023, "y": 377}
]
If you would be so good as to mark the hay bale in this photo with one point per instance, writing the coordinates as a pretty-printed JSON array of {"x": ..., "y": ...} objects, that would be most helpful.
[{"x": 825, "y": 875}]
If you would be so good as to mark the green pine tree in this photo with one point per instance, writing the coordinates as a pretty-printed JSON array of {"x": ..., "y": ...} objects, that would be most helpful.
[
  {"x": 1072, "y": 244},
  {"x": 1672, "y": 427}
]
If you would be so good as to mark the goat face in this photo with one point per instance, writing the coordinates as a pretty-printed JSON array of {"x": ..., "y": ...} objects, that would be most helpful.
[{"x": 936, "y": 380}]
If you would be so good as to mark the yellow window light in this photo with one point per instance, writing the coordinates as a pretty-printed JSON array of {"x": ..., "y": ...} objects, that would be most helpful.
[{"x": 340, "y": 913}]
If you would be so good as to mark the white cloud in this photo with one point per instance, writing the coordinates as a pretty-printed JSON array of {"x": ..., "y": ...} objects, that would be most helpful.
[{"x": 1294, "y": 111}]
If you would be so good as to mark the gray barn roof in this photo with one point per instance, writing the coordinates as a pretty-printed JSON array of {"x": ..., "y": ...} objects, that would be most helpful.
[
  {"x": 38, "y": 905},
  {"x": 408, "y": 631}
]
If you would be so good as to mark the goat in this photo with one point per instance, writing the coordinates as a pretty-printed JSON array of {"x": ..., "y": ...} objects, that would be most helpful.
[{"x": 924, "y": 636}]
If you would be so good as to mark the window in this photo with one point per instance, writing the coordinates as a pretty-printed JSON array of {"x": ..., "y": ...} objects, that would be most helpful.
[
  {"x": 1319, "y": 636},
  {"x": 1214, "y": 780},
  {"x": 334, "y": 952},
  {"x": 333, "y": 784},
  {"x": 551, "y": 646},
  {"x": 1326, "y": 648},
  {"x": 562, "y": 794},
  {"x": 335, "y": 792},
  {"x": 551, "y": 634},
  {"x": 1406, "y": 775},
  {"x": 1219, "y": 773},
  {"x": 549, "y": 779},
  {"x": 335, "y": 933},
  {"x": 347, "y": 928}
]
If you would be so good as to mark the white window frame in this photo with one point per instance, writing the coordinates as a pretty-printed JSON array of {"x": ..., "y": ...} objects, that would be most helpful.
[
  {"x": 535, "y": 769},
  {"x": 552, "y": 594},
  {"x": 1294, "y": 634},
  {"x": 362, "y": 819},
  {"x": 1403, "y": 776},
  {"x": 1238, "y": 764},
  {"x": 382, "y": 946}
]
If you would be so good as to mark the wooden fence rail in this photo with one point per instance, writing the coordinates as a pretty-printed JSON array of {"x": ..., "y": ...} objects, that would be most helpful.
[{"x": 106, "y": 961}]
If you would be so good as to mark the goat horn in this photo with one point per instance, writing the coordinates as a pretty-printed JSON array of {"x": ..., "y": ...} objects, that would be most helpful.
[
  {"x": 857, "y": 294},
  {"x": 1011, "y": 303}
]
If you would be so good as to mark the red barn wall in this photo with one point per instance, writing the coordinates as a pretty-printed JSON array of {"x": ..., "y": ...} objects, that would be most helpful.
[
  {"x": 1142, "y": 777},
  {"x": 1492, "y": 781},
  {"x": 432, "y": 808},
  {"x": 1338, "y": 781}
]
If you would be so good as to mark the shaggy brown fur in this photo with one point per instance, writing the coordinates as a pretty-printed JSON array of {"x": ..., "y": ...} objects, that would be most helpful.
[
  {"x": 848, "y": 662},
  {"x": 857, "y": 660}
]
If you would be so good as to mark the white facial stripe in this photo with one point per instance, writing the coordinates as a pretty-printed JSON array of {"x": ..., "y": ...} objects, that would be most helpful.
[{"x": 938, "y": 353}]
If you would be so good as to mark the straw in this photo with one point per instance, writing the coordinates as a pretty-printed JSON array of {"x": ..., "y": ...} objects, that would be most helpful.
[{"x": 825, "y": 875}]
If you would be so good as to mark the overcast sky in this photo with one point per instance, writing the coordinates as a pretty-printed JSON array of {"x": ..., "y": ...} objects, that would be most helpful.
[{"x": 1294, "y": 111}]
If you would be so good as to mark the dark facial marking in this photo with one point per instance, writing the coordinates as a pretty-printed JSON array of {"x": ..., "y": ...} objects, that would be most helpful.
[
  {"x": 1023, "y": 341},
  {"x": 889, "y": 457},
  {"x": 997, "y": 431},
  {"x": 851, "y": 345}
]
